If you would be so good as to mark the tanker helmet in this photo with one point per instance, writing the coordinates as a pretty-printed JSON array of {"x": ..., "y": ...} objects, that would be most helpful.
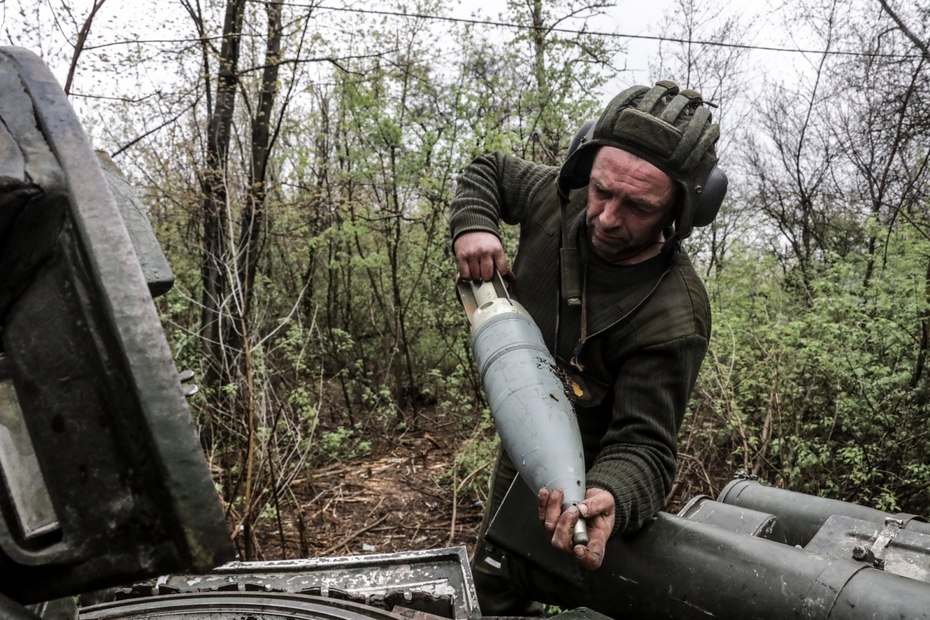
[{"x": 671, "y": 129}]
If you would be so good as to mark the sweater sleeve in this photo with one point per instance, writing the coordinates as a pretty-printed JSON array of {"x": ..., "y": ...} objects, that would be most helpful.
[
  {"x": 494, "y": 188},
  {"x": 638, "y": 455}
]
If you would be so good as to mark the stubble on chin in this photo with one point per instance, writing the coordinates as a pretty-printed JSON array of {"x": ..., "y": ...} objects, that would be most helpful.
[{"x": 607, "y": 251}]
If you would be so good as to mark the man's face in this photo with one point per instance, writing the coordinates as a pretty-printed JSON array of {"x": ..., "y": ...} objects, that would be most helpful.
[{"x": 630, "y": 203}]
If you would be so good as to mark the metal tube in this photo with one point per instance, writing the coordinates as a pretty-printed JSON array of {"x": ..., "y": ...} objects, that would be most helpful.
[
  {"x": 682, "y": 570},
  {"x": 800, "y": 515},
  {"x": 10, "y": 610}
]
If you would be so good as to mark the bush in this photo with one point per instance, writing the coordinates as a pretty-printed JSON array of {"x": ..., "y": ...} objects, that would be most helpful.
[{"x": 822, "y": 392}]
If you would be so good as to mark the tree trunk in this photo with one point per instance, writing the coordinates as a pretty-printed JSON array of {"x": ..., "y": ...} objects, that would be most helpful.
[
  {"x": 924, "y": 334},
  {"x": 254, "y": 215},
  {"x": 213, "y": 185},
  {"x": 543, "y": 130}
]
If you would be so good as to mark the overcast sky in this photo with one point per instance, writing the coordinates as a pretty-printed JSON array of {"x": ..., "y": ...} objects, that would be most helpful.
[
  {"x": 634, "y": 17},
  {"x": 130, "y": 20},
  {"x": 147, "y": 19},
  {"x": 646, "y": 17}
]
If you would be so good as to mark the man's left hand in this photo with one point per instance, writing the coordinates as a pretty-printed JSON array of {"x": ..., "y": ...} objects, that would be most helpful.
[{"x": 597, "y": 508}]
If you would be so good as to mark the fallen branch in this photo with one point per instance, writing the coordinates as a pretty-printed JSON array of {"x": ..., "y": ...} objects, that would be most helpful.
[
  {"x": 455, "y": 502},
  {"x": 433, "y": 441},
  {"x": 354, "y": 535}
]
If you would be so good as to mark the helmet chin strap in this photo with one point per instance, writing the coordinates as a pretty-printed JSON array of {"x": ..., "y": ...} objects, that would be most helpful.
[
  {"x": 672, "y": 242},
  {"x": 569, "y": 259}
]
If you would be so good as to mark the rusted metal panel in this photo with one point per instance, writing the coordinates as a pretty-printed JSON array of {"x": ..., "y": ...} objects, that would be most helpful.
[{"x": 436, "y": 581}]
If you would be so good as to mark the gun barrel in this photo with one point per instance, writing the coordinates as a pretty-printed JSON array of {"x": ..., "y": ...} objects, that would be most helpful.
[
  {"x": 801, "y": 515},
  {"x": 678, "y": 569}
]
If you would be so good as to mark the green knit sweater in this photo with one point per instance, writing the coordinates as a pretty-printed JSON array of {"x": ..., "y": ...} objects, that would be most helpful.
[{"x": 648, "y": 326}]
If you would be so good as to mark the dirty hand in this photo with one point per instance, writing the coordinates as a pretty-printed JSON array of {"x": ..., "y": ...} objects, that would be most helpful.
[
  {"x": 478, "y": 254},
  {"x": 597, "y": 508}
]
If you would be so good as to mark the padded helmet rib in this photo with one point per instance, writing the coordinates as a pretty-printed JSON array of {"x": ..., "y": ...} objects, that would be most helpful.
[
  {"x": 652, "y": 98},
  {"x": 690, "y": 139},
  {"x": 674, "y": 108}
]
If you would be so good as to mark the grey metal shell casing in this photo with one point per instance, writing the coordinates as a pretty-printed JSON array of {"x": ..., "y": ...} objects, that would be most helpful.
[{"x": 532, "y": 411}]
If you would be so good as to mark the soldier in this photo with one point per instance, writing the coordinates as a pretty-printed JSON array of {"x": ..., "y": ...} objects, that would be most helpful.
[{"x": 601, "y": 270}]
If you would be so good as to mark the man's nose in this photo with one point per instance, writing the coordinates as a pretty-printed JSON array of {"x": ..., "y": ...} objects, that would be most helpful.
[{"x": 611, "y": 216}]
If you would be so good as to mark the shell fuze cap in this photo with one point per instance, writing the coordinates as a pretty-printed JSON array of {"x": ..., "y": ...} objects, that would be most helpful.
[{"x": 671, "y": 129}]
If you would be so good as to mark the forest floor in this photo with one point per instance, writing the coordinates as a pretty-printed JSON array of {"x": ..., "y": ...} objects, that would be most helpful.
[
  {"x": 406, "y": 493},
  {"x": 402, "y": 494}
]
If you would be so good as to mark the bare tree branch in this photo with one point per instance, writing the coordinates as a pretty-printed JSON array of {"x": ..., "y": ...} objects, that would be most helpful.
[
  {"x": 921, "y": 45},
  {"x": 79, "y": 46}
]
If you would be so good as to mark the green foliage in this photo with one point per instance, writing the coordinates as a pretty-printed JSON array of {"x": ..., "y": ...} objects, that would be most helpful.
[
  {"x": 343, "y": 442},
  {"x": 823, "y": 392},
  {"x": 474, "y": 461}
]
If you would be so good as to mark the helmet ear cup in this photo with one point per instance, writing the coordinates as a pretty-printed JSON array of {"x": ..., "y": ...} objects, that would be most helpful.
[
  {"x": 710, "y": 198},
  {"x": 585, "y": 133}
]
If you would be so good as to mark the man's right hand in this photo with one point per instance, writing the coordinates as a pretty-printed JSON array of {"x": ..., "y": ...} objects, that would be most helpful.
[
  {"x": 478, "y": 254},
  {"x": 598, "y": 508}
]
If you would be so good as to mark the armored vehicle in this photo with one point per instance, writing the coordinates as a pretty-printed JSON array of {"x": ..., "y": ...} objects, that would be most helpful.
[{"x": 104, "y": 482}]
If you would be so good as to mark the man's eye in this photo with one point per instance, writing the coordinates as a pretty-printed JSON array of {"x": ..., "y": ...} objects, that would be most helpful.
[{"x": 643, "y": 210}]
